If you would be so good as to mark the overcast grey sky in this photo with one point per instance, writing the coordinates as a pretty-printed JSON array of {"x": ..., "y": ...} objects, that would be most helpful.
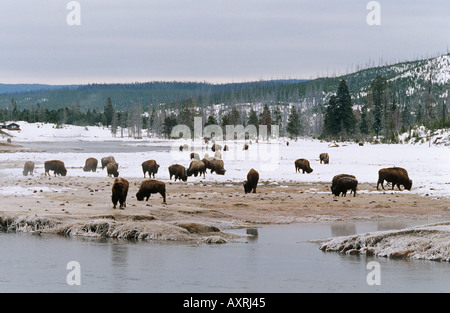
[{"x": 211, "y": 40}]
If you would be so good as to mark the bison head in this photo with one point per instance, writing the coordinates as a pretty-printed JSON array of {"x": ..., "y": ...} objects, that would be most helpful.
[
  {"x": 408, "y": 184},
  {"x": 220, "y": 171},
  {"x": 63, "y": 172},
  {"x": 247, "y": 187},
  {"x": 140, "y": 196}
]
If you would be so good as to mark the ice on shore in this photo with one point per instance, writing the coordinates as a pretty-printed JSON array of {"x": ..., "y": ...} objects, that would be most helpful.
[{"x": 427, "y": 242}]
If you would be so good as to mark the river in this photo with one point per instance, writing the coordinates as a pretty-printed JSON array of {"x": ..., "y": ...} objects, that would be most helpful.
[{"x": 280, "y": 258}]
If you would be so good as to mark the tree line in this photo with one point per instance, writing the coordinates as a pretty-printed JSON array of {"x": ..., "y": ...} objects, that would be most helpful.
[{"x": 381, "y": 114}]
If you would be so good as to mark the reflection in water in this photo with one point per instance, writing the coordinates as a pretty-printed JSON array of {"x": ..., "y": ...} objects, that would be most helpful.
[
  {"x": 253, "y": 233},
  {"x": 343, "y": 229},
  {"x": 275, "y": 258},
  {"x": 391, "y": 225}
]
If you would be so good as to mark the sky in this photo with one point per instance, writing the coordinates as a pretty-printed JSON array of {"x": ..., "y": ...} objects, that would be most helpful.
[{"x": 217, "y": 41}]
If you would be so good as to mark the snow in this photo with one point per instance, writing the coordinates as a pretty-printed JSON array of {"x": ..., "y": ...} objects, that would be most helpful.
[
  {"x": 427, "y": 165},
  {"x": 425, "y": 242}
]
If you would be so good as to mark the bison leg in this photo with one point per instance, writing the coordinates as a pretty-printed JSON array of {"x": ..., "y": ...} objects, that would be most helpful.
[
  {"x": 163, "y": 194},
  {"x": 380, "y": 181},
  {"x": 114, "y": 201}
]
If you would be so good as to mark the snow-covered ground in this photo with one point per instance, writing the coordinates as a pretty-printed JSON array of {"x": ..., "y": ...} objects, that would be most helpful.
[
  {"x": 428, "y": 165},
  {"x": 426, "y": 242}
]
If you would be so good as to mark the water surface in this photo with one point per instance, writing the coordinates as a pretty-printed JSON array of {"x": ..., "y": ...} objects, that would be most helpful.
[{"x": 281, "y": 258}]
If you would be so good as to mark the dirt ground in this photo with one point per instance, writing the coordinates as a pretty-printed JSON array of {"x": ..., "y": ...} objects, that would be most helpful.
[{"x": 222, "y": 205}]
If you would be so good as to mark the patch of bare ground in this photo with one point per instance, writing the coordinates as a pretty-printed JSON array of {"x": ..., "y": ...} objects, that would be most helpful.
[{"x": 82, "y": 206}]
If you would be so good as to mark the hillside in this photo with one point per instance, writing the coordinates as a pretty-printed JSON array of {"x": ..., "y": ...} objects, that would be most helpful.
[{"x": 409, "y": 79}]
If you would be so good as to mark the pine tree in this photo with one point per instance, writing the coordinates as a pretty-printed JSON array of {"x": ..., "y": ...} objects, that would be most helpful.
[
  {"x": 235, "y": 117},
  {"x": 378, "y": 97},
  {"x": 266, "y": 118},
  {"x": 331, "y": 123},
  {"x": 253, "y": 118},
  {"x": 277, "y": 117},
  {"x": 364, "y": 126},
  {"x": 108, "y": 111},
  {"x": 344, "y": 112},
  {"x": 211, "y": 121},
  {"x": 114, "y": 123},
  {"x": 294, "y": 125}
]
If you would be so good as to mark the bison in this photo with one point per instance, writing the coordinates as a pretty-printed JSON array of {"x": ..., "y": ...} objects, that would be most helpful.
[
  {"x": 335, "y": 178},
  {"x": 225, "y": 148},
  {"x": 179, "y": 171},
  {"x": 28, "y": 168},
  {"x": 245, "y": 147},
  {"x": 395, "y": 175},
  {"x": 303, "y": 165},
  {"x": 215, "y": 165},
  {"x": 119, "y": 192},
  {"x": 107, "y": 160},
  {"x": 112, "y": 169},
  {"x": 252, "y": 181},
  {"x": 56, "y": 166},
  {"x": 196, "y": 167},
  {"x": 344, "y": 183},
  {"x": 325, "y": 158},
  {"x": 195, "y": 156},
  {"x": 150, "y": 186},
  {"x": 90, "y": 165},
  {"x": 151, "y": 167},
  {"x": 215, "y": 147}
]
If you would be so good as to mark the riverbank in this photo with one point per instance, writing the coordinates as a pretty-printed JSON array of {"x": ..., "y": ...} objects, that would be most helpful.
[{"x": 200, "y": 210}]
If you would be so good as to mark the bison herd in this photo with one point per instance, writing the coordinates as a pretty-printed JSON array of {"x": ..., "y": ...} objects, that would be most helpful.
[{"x": 340, "y": 184}]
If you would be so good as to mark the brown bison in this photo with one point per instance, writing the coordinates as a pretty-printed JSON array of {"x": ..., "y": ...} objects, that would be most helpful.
[
  {"x": 215, "y": 165},
  {"x": 119, "y": 192},
  {"x": 195, "y": 156},
  {"x": 245, "y": 147},
  {"x": 56, "y": 166},
  {"x": 303, "y": 165},
  {"x": 196, "y": 167},
  {"x": 107, "y": 160},
  {"x": 215, "y": 147},
  {"x": 90, "y": 165},
  {"x": 151, "y": 167},
  {"x": 251, "y": 182},
  {"x": 325, "y": 158},
  {"x": 28, "y": 168},
  {"x": 335, "y": 178},
  {"x": 150, "y": 186},
  {"x": 179, "y": 171},
  {"x": 112, "y": 169},
  {"x": 343, "y": 182},
  {"x": 395, "y": 175},
  {"x": 225, "y": 148}
]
